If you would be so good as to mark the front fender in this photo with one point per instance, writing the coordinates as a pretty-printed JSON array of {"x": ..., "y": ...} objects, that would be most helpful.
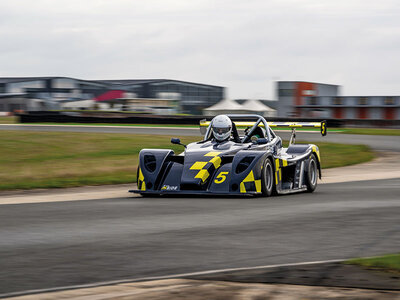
[
  {"x": 246, "y": 171},
  {"x": 151, "y": 163}
]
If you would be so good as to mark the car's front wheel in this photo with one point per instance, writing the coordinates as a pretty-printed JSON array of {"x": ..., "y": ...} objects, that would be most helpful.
[
  {"x": 267, "y": 178},
  {"x": 311, "y": 174}
]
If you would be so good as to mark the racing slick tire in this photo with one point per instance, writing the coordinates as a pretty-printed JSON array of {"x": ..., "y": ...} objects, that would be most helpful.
[
  {"x": 311, "y": 174},
  {"x": 267, "y": 178}
]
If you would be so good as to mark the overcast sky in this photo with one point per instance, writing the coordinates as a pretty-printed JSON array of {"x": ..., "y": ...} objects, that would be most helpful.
[{"x": 242, "y": 45}]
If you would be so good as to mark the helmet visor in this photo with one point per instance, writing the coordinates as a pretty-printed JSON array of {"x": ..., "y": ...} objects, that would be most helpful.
[{"x": 221, "y": 130}]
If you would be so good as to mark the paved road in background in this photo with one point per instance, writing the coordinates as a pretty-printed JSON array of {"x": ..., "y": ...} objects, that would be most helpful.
[
  {"x": 67, "y": 243},
  {"x": 389, "y": 143}
]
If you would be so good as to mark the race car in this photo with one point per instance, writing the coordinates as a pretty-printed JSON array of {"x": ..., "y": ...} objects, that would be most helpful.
[{"x": 227, "y": 163}]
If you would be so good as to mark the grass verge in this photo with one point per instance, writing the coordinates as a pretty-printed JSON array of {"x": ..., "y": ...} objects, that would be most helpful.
[
  {"x": 117, "y": 124},
  {"x": 64, "y": 159},
  {"x": 8, "y": 120},
  {"x": 389, "y": 262},
  {"x": 367, "y": 131}
]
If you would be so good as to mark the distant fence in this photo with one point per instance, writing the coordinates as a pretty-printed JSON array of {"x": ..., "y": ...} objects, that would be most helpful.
[{"x": 127, "y": 118}]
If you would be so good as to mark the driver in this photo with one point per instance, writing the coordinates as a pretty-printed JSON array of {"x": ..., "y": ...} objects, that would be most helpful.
[{"x": 221, "y": 128}]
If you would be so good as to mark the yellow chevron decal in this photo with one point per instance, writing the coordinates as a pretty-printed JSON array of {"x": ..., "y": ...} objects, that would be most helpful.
[
  {"x": 141, "y": 177},
  {"x": 198, "y": 165},
  {"x": 277, "y": 164},
  {"x": 141, "y": 183},
  {"x": 216, "y": 161},
  {"x": 258, "y": 185},
  {"x": 314, "y": 149},
  {"x": 242, "y": 187},
  {"x": 203, "y": 175},
  {"x": 213, "y": 153},
  {"x": 250, "y": 178}
]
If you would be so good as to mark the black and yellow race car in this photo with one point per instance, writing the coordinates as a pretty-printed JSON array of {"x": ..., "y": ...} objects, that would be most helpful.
[{"x": 254, "y": 163}]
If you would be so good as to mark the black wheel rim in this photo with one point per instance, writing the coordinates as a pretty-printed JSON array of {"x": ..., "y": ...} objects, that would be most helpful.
[
  {"x": 268, "y": 176},
  {"x": 313, "y": 172}
]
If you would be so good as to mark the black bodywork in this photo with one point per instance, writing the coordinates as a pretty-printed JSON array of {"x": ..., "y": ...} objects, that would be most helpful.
[{"x": 233, "y": 167}]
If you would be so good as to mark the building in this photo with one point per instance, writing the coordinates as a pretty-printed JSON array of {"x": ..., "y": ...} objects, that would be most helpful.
[
  {"x": 57, "y": 92},
  {"x": 352, "y": 107},
  {"x": 156, "y": 106},
  {"x": 316, "y": 100},
  {"x": 193, "y": 97},
  {"x": 291, "y": 95}
]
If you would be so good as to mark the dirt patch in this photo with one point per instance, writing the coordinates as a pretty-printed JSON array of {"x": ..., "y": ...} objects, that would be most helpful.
[
  {"x": 321, "y": 274},
  {"x": 201, "y": 289}
]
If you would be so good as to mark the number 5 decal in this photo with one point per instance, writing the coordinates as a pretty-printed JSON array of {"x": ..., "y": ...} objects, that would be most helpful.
[{"x": 221, "y": 177}]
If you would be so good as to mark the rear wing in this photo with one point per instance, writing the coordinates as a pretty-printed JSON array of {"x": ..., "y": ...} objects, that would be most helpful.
[{"x": 322, "y": 125}]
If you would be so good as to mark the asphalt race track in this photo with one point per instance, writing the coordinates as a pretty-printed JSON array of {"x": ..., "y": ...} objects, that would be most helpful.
[
  {"x": 389, "y": 143},
  {"x": 47, "y": 245}
]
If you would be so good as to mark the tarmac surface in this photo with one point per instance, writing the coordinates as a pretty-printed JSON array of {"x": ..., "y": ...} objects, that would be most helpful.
[
  {"x": 46, "y": 245},
  {"x": 51, "y": 239},
  {"x": 388, "y": 143}
]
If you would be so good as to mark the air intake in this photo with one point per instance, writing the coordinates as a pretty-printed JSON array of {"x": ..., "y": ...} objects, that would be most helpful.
[
  {"x": 150, "y": 162},
  {"x": 244, "y": 164}
]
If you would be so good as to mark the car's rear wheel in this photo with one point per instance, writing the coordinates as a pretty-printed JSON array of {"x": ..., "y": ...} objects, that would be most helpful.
[
  {"x": 311, "y": 174},
  {"x": 267, "y": 178}
]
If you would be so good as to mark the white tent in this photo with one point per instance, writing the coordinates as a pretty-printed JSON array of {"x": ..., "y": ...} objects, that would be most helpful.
[
  {"x": 257, "y": 107},
  {"x": 225, "y": 106}
]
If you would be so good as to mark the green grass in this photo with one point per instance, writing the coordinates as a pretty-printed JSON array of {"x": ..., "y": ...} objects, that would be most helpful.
[
  {"x": 368, "y": 131},
  {"x": 8, "y": 120},
  {"x": 340, "y": 155},
  {"x": 64, "y": 159},
  {"x": 116, "y": 124},
  {"x": 54, "y": 159},
  {"x": 389, "y": 262}
]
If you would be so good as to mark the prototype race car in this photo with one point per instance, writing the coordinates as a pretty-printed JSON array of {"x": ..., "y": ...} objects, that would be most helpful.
[{"x": 252, "y": 164}]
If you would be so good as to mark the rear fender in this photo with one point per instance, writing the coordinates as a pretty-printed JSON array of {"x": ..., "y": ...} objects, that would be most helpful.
[
  {"x": 315, "y": 150},
  {"x": 303, "y": 151}
]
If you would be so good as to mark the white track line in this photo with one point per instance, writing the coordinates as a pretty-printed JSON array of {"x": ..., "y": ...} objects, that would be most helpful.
[{"x": 114, "y": 282}]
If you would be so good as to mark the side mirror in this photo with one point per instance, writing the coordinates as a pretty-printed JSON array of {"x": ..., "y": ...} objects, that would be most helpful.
[
  {"x": 262, "y": 141},
  {"x": 177, "y": 141}
]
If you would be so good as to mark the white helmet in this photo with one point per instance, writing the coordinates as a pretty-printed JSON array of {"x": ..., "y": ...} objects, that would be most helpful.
[{"x": 221, "y": 127}]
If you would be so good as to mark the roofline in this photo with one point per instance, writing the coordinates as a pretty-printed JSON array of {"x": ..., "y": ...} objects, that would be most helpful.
[
  {"x": 157, "y": 80},
  {"x": 298, "y": 81},
  {"x": 34, "y": 78}
]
